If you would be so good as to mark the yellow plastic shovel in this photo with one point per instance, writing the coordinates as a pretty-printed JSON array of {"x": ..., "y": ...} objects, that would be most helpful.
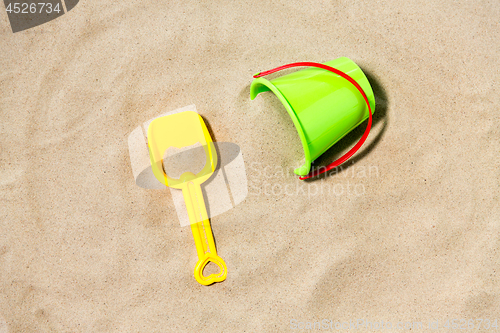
[{"x": 182, "y": 130}]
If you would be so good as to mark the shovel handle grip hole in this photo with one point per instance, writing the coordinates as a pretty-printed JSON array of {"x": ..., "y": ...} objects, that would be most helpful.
[{"x": 210, "y": 263}]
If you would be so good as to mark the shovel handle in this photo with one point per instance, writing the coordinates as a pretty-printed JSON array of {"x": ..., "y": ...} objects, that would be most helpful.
[
  {"x": 202, "y": 234},
  {"x": 199, "y": 230}
]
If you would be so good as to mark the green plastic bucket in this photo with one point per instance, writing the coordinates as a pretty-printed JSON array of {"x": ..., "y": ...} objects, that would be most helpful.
[{"x": 323, "y": 105}]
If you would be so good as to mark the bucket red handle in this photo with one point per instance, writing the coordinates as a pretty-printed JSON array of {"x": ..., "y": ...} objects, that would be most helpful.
[{"x": 358, "y": 145}]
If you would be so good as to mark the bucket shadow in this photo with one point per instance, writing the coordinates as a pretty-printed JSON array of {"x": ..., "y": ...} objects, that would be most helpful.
[{"x": 338, "y": 149}]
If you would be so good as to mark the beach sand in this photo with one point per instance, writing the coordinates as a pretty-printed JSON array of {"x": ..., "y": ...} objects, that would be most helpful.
[{"x": 408, "y": 233}]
